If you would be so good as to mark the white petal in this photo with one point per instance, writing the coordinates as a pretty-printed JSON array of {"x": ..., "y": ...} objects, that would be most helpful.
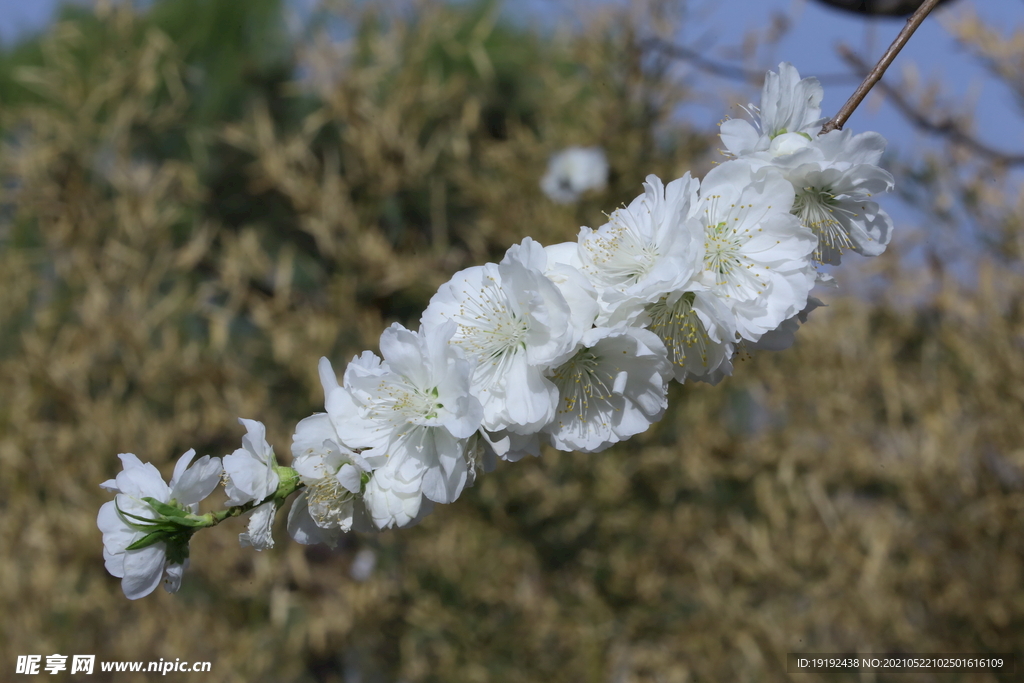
[
  {"x": 309, "y": 437},
  {"x": 248, "y": 478},
  {"x": 143, "y": 570},
  {"x": 116, "y": 534},
  {"x": 261, "y": 523},
  {"x": 172, "y": 576},
  {"x": 181, "y": 466},
  {"x": 350, "y": 478},
  {"x": 198, "y": 481},
  {"x": 738, "y": 136},
  {"x": 304, "y": 530},
  {"x": 113, "y": 563},
  {"x": 404, "y": 352},
  {"x": 328, "y": 380},
  {"x": 141, "y": 480},
  {"x": 389, "y": 501},
  {"x": 446, "y": 476},
  {"x": 529, "y": 398}
]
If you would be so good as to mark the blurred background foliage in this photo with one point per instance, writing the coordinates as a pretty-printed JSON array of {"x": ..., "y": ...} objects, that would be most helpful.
[{"x": 199, "y": 201}]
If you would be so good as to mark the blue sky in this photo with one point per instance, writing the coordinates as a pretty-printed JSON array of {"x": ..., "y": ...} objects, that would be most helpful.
[{"x": 816, "y": 30}]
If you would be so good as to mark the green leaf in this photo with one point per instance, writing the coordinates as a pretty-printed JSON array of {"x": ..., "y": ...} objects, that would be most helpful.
[
  {"x": 148, "y": 540},
  {"x": 165, "y": 509}
]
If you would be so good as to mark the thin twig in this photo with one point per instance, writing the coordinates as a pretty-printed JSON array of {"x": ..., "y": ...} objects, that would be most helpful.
[
  {"x": 731, "y": 71},
  {"x": 837, "y": 121},
  {"x": 947, "y": 128}
]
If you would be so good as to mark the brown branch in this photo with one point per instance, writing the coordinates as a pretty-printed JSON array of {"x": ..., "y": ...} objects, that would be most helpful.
[
  {"x": 716, "y": 68},
  {"x": 947, "y": 128},
  {"x": 875, "y": 75}
]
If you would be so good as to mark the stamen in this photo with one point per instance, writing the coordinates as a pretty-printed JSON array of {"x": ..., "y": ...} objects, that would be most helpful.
[
  {"x": 816, "y": 208},
  {"x": 621, "y": 255},
  {"x": 581, "y": 379},
  {"x": 680, "y": 329},
  {"x": 727, "y": 230},
  {"x": 489, "y": 330},
  {"x": 327, "y": 502}
]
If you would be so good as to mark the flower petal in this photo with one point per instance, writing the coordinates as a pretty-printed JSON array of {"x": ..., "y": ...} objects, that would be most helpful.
[
  {"x": 261, "y": 522},
  {"x": 198, "y": 481},
  {"x": 143, "y": 570}
]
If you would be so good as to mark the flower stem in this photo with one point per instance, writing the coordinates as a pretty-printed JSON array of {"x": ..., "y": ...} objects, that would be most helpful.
[
  {"x": 289, "y": 484},
  {"x": 875, "y": 75}
]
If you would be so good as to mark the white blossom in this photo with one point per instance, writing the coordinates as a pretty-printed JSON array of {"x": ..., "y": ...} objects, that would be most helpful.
[
  {"x": 333, "y": 476},
  {"x": 645, "y": 250},
  {"x": 415, "y": 408},
  {"x": 698, "y": 332},
  {"x": 142, "y": 570},
  {"x": 834, "y": 194},
  {"x": 513, "y": 324},
  {"x": 332, "y": 473},
  {"x": 249, "y": 475},
  {"x": 394, "y": 495},
  {"x": 573, "y": 171},
  {"x": 835, "y": 177},
  {"x": 756, "y": 253},
  {"x": 789, "y": 104},
  {"x": 611, "y": 389},
  {"x": 249, "y": 471}
]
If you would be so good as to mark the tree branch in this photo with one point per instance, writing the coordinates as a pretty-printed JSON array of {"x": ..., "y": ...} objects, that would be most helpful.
[
  {"x": 947, "y": 128},
  {"x": 875, "y": 75},
  {"x": 738, "y": 73}
]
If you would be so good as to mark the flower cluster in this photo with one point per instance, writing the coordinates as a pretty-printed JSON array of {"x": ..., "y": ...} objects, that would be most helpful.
[{"x": 571, "y": 345}]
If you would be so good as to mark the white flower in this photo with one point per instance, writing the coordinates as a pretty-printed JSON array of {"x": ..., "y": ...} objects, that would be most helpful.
[
  {"x": 394, "y": 495},
  {"x": 788, "y": 105},
  {"x": 756, "y": 253},
  {"x": 142, "y": 570},
  {"x": 332, "y": 473},
  {"x": 261, "y": 523},
  {"x": 415, "y": 408},
  {"x": 559, "y": 264},
  {"x": 249, "y": 471},
  {"x": 513, "y": 324},
  {"x": 249, "y": 475},
  {"x": 612, "y": 389},
  {"x": 833, "y": 195},
  {"x": 698, "y": 332},
  {"x": 333, "y": 476},
  {"x": 645, "y": 251},
  {"x": 834, "y": 177},
  {"x": 573, "y": 171}
]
